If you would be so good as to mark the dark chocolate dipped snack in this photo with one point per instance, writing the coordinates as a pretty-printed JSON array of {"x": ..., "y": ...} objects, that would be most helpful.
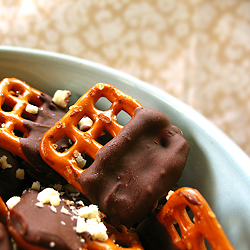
[
  {"x": 132, "y": 171},
  {"x": 4, "y": 238},
  {"x": 85, "y": 142},
  {"x": 13, "y": 179},
  {"x": 35, "y": 225},
  {"x": 25, "y": 115},
  {"x": 193, "y": 233},
  {"x": 136, "y": 168}
]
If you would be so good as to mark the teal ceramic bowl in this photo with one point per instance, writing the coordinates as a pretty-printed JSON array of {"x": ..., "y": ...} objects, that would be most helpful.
[{"x": 216, "y": 166}]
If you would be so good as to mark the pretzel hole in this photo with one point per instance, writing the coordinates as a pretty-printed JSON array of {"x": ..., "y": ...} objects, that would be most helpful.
[
  {"x": 103, "y": 104},
  {"x": 63, "y": 144},
  {"x": 27, "y": 116},
  {"x": 177, "y": 228},
  {"x": 18, "y": 133},
  {"x": 104, "y": 138},
  {"x": 16, "y": 90},
  {"x": 88, "y": 160},
  {"x": 6, "y": 108},
  {"x": 123, "y": 117},
  {"x": 190, "y": 214},
  {"x": 85, "y": 123},
  {"x": 208, "y": 246},
  {"x": 187, "y": 218}
]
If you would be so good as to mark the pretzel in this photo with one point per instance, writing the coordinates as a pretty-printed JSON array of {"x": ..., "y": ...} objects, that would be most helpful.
[
  {"x": 205, "y": 224},
  {"x": 192, "y": 233},
  {"x": 15, "y": 96},
  {"x": 85, "y": 142}
]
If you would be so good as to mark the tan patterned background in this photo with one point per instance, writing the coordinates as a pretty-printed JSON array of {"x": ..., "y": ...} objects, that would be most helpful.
[{"x": 196, "y": 50}]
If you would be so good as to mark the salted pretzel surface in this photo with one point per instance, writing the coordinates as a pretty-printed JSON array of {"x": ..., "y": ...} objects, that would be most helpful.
[
  {"x": 15, "y": 96},
  {"x": 205, "y": 224},
  {"x": 85, "y": 142}
]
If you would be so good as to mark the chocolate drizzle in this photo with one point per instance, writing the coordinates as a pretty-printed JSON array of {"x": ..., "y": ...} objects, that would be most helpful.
[{"x": 136, "y": 168}]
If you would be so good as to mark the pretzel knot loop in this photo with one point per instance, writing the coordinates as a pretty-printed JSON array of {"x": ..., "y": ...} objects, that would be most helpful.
[
  {"x": 192, "y": 233},
  {"x": 85, "y": 141}
]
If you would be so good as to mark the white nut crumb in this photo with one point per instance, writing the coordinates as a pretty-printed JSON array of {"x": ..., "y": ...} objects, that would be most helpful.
[
  {"x": 81, "y": 162},
  {"x": 85, "y": 122},
  {"x": 20, "y": 174},
  {"x": 36, "y": 185},
  {"x": 80, "y": 203},
  {"x": 169, "y": 194},
  {"x": 52, "y": 244},
  {"x": 32, "y": 109},
  {"x": 65, "y": 211},
  {"x": 3, "y": 162},
  {"x": 55, "y": 200},
  {"x": 49, "y": 195},
  {"x": 63, "y": 223},
  {"x": 84, "y": 212},
  {"x": 89, "y": 220},
  {"x": 81, "y": 225},
  {"x": 39, "y": 204},
  {"x": 97, "y": 229},
  {"x": 61, "y": 98},
  {"x": 53, "y": 209},
  {"x": 11, "y": 202}
]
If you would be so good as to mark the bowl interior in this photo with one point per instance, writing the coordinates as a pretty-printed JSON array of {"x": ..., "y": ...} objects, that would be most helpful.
[{"x": 216, "y": 166}]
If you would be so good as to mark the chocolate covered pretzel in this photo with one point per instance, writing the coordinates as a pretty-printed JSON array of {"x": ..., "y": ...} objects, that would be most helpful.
[
  {"x": 38, "y": 226},
  {"x": 132, "y": 171},
  {"x": 25, "y": 115}
]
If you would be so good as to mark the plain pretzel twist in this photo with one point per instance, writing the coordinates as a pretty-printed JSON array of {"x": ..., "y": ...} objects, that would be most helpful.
[{"x": 85, "y": 142}]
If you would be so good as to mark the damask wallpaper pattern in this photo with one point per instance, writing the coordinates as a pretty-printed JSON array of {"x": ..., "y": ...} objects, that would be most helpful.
[{"x": 196, "y": 50}]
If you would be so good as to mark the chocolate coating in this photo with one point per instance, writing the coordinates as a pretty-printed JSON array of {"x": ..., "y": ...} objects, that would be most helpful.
[
  {"x": 41, "y": 226},
  {"x": 47, "y": 116},
  {"x": 9, "y": 184},
  {"x": 154, "y": 235},
  {"x": 4, "y": 238},
  {"x": 136, "y": 168}
]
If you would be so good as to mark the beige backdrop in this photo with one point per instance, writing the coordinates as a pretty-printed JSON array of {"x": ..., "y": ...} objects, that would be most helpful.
[{"x": 196, "y": 50}]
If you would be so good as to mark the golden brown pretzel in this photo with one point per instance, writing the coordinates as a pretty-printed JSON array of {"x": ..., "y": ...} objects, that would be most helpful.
[
  {"x": 205, "y": 224},
  {"x": 15, "y": 96},
  {"x": 85, "y": 142}
]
